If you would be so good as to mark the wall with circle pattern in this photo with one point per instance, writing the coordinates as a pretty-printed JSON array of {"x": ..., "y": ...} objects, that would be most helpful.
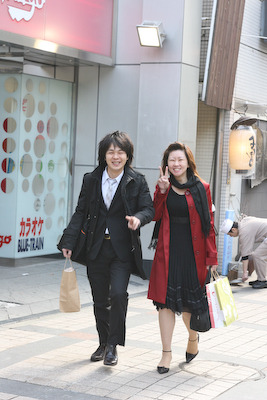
[{"x": 35, "y": 132}]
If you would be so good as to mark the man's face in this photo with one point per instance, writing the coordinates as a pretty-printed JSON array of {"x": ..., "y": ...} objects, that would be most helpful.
[
  {"x": 116, "y": 159},
  {"x": 233, "y": 232}
]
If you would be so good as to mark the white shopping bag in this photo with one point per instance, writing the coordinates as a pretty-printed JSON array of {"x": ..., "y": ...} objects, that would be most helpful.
[{"x": 216, "y": 314}]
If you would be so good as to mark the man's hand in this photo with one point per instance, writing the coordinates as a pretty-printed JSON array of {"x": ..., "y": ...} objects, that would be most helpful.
[
  {"x": 67, "y": 253},
  {"x": 133, "y": 222}
]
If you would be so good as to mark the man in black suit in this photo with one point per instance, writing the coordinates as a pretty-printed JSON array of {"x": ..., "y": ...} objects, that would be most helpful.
[{"x": 114, "y": 202}]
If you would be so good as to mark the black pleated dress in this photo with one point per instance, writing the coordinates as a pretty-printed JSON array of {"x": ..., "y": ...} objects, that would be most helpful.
[{"x": 184, "y": 292}]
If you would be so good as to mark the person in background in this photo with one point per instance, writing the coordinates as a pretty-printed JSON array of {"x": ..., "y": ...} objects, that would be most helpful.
[
  {"x": 251, "y": 230},
  {"x": 185, "y": 248},
  {"x": 116, "y": 201}
]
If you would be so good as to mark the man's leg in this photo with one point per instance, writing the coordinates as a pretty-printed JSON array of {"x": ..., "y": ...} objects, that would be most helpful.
[
  {"x": 119, "y": 278},
  {"x": 260, "y": 261},
  {"x": 99, "y": 278}
]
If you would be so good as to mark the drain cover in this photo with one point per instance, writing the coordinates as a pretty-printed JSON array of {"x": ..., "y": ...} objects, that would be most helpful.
[{"x": 223, "y": 371}]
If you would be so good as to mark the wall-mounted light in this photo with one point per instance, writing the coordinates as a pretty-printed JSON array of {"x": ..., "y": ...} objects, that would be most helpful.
[
  {"x": 242, "y": 145},
  {"x": 151, "y": 34}
]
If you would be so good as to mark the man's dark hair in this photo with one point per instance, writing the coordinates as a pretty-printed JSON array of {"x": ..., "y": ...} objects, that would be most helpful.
[
  {"x": 119, "y": 139},
  {"x": 235, "y": 225}
]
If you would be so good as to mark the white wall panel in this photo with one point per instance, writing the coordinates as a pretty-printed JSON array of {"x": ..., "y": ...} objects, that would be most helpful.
[
  {"x": 132, "y": 13},
  {"x": 128, "y": 47},
  {"x": 188, "y": 105},
  {"x": 171, "y": 14},
  {"x": 78, "y": 174},
  {"x": 251, "y": 82},
  {"x": 118, "y": 101},
  {"x": 146, "y": 232},
  {"x": 251, "y": 26},
  {"x": 85, "y": 146},
  {"x": 191, "y": 32},
  {"x": 158, "y": 111}
]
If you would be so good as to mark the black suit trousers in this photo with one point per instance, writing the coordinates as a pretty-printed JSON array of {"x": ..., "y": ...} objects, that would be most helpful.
[{"x": 109, "y": 278}]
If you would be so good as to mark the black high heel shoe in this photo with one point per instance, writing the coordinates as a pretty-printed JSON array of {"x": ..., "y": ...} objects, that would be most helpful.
[
  {"x": 163, "y": 370},
  {"x": 188, "y": 356}
]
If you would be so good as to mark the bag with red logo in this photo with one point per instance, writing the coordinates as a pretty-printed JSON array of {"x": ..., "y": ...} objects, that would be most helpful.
[{"x": 216, "y": 314}]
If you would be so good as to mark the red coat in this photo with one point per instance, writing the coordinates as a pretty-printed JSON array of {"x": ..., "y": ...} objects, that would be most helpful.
[{"x": 204, "y": 247}]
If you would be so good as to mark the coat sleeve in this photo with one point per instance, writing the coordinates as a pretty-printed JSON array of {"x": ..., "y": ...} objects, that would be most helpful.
[
  {"x": 145, "y": 210},
  {"x": 159, "y": 200},
  {"x": 70, "y": 233},
  {"x": 211, "y": 250}
]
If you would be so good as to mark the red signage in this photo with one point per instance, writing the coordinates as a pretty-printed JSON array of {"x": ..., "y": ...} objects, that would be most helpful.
[
  {"x": 5, "y": 239},
  {"x": 80, "y": 24},
  {"x": 30, "y": 227}
]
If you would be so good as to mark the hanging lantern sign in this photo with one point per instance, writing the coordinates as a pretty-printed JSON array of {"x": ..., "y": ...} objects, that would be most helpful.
[{"x": 242, "y": 148}]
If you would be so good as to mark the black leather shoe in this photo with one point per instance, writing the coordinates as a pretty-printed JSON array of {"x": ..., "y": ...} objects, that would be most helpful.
[
  {"x": 162, "y": 370},
  {"x": 99, "y": 354},
  {"x": 260, "y": 285},
  {"x": 252, "y": 282},
  {"x": 188, "y": 356},
  {"x": 111, "y": 357}
]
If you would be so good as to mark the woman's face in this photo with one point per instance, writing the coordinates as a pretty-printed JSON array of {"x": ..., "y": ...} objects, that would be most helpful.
[{"x": 178, "y": 164}]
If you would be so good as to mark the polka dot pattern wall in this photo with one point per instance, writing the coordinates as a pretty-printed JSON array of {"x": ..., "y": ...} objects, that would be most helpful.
[{"x": 35, "y": 133}]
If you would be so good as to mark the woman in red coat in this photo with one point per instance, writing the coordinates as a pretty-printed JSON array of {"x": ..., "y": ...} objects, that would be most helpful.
[{"x": 185, "y": 247}]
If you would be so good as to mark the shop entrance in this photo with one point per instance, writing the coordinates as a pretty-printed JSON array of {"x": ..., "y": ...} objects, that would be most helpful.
[{"x": 35, "y": 136}]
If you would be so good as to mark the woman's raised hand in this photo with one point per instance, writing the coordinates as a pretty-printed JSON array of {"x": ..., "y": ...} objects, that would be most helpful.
[{"x": 163, "y": 180}]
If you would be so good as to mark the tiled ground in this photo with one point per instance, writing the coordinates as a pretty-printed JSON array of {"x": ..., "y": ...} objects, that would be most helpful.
[{"x": 51, "y": 353}]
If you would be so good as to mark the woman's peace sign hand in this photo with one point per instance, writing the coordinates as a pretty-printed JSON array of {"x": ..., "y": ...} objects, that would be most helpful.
[{"x": 163, "y": 180}]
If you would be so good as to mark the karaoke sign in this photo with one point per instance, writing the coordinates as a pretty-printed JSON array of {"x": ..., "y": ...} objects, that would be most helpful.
[
  {"x": 77, "y": 24},
  {"x": 23, "y": 9}
]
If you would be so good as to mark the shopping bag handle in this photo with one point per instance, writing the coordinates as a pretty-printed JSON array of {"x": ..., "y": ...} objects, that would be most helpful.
[
  {"x": 66, "y": 267},
  {"x": 214, "y": 275}
]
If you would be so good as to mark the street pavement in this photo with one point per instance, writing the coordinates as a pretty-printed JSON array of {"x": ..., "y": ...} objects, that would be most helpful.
[{"x": 45, "y": 354}]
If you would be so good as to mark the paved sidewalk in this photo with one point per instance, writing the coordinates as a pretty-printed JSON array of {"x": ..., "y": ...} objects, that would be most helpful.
[
  {"x": 45, "y": 354},
  {"x": 32, "y": 287}
]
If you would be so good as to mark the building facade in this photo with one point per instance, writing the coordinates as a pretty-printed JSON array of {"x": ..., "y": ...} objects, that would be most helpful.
[{"x": 154, "y": 94}]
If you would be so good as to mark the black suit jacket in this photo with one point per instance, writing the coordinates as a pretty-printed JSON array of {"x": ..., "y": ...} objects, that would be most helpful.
[
  {"x": 113, "y": 219},
  {"x": 136, "y": 202}
]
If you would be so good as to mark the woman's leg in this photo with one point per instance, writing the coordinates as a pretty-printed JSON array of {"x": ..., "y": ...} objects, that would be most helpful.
[
  {"x": 192, "y": 345},
  {"x": 166, "y": 325}
]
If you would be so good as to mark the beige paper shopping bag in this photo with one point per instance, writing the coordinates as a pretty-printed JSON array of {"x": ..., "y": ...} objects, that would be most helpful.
[{"x": 69, "y": 297}]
